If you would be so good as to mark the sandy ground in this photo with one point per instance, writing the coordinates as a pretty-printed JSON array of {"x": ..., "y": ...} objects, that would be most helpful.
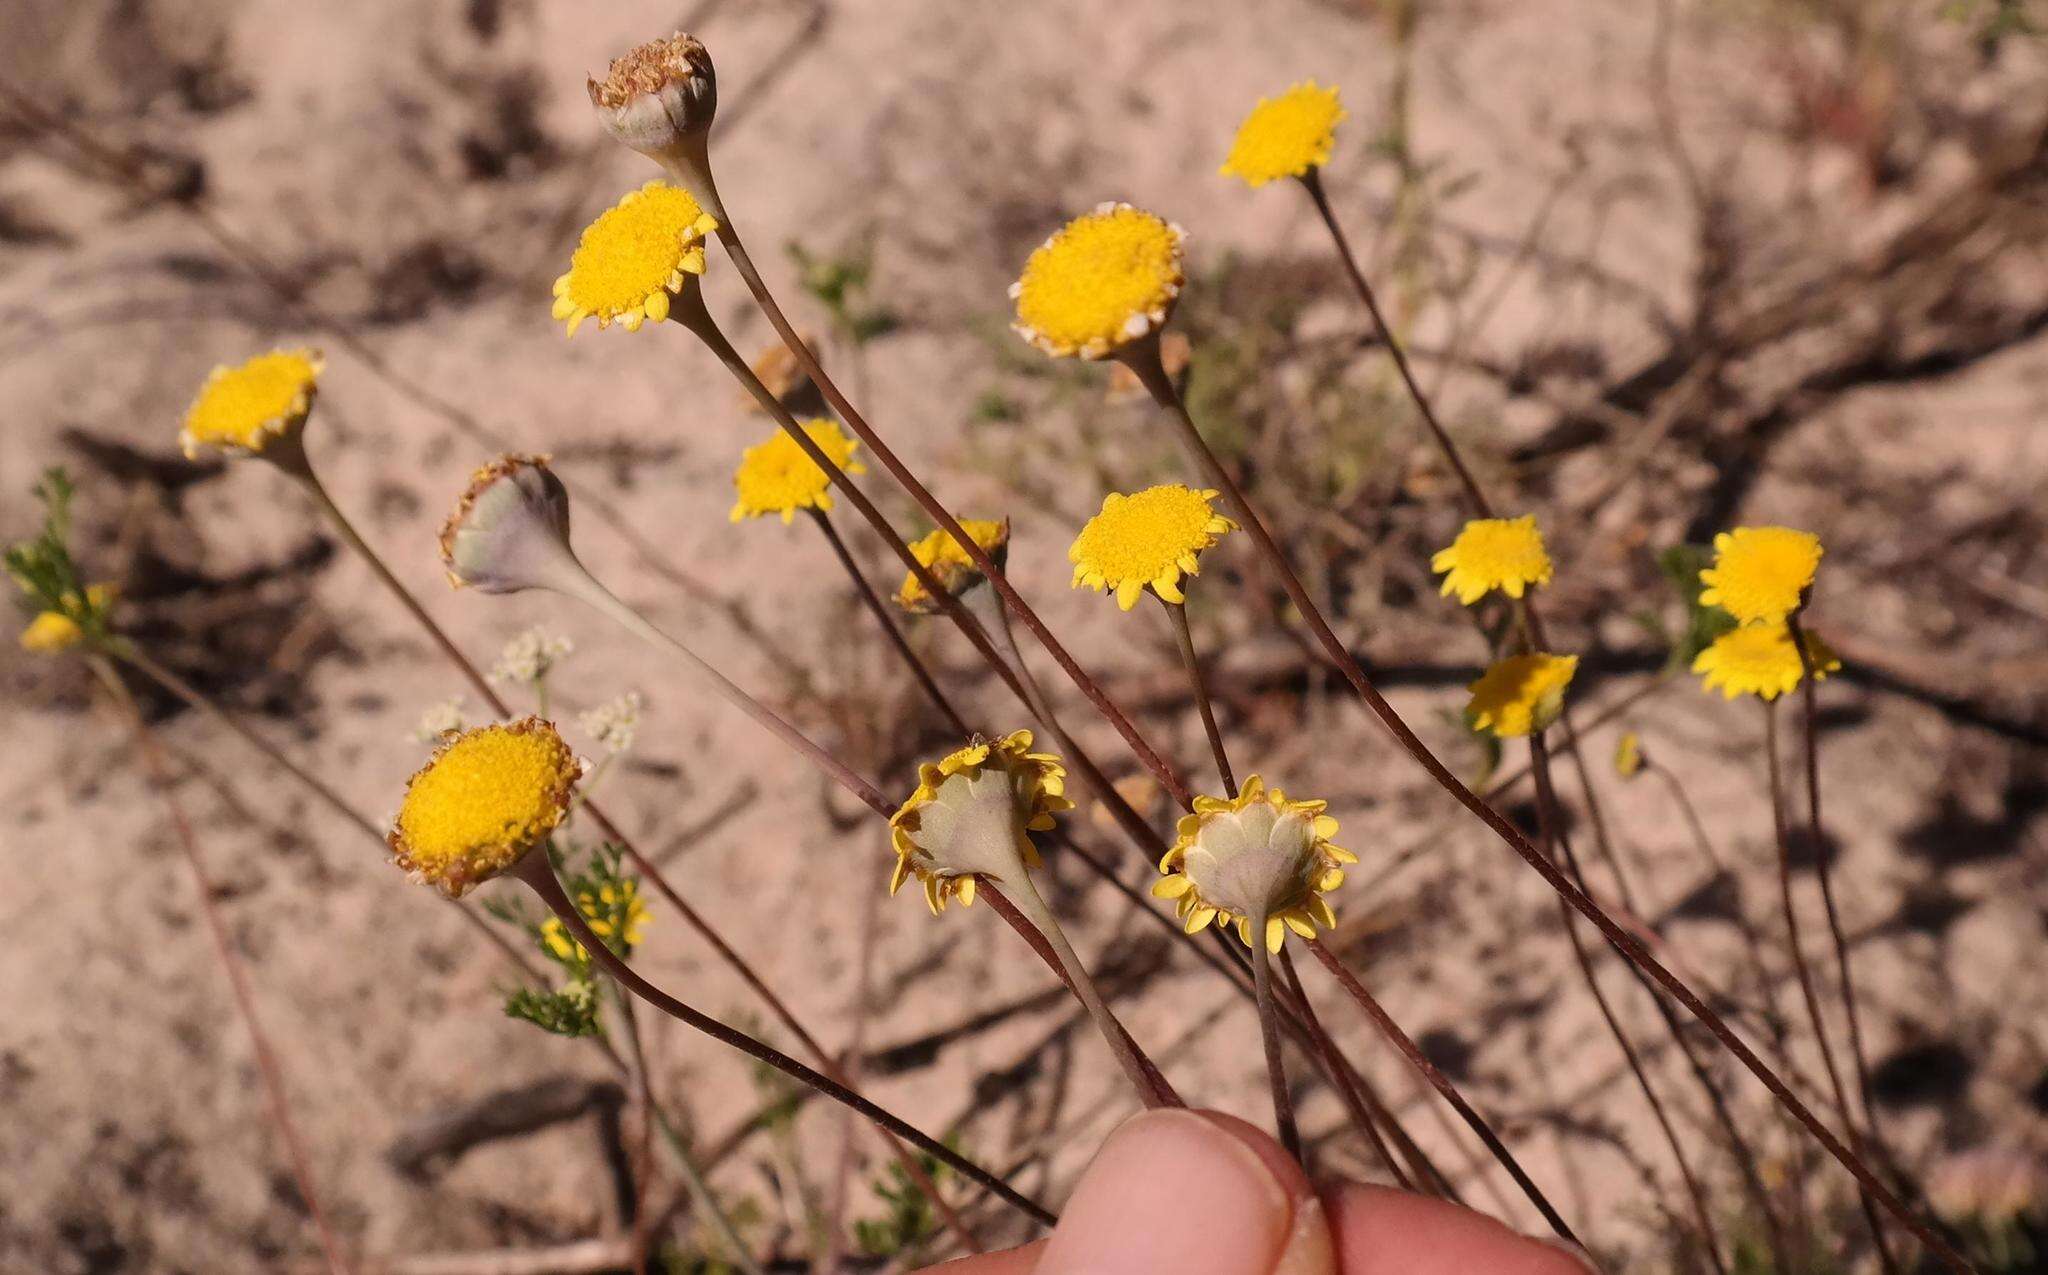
[{"x": 417, "y": 175}]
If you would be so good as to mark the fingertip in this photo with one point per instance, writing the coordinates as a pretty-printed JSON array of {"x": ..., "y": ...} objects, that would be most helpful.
[
  {"x": 1021, "y": 1260},
  {"x": 1382, "y": 1231}
]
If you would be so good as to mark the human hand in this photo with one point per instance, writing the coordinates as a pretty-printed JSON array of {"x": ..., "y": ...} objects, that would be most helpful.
[{"x": 1200, "y": 1193}]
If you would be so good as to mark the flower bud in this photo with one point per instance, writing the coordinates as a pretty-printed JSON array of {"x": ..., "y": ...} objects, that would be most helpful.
[{"x": 510, "y": 531}]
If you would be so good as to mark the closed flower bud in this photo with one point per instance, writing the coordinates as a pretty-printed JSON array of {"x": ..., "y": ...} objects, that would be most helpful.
[{"x": 510, "y": 530}]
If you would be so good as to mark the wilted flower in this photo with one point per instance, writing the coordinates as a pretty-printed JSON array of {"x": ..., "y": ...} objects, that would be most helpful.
[
  {"x": 972, "y": 816},
  {"x": 243, "y": 410},
  {"x": 1522, "y": 694},
  {"x": 1759, "y": 659},
  {"x": 1760, "y": 574},
  {"x": 1256, "y": 855},
  {"x": 949, "y": 563},
  {"x": 510, "y": 530},
  {"x": 778, "y": 477},
  {"x": 612, "y": 723},
  {"x": 634, "y": 258},
  {"x": 1285, "y": 136},
  {"x": 659, "y": 99},
  {"x": 486, "y": 798},
  {"x": 529, "y": 656},
  {"x": 1101, "y": 281},
  {"x": 778, "y": 368},
  {"x": 1493, "y": 553},
  {"x": 1147, "y": 540}
]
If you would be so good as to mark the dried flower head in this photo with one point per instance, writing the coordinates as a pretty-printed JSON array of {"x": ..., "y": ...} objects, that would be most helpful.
[
  {"x": 949, "y": 563},
  {"x": 1147, "y": 540},
  {"x": 486, "y": 798},
  {"x": 1493, "y": 553},
  {"x": 242, "y": 410},
  {"x": 633, "y": 258},
  {"x": 612, "y": 724},
  {"x": 1521, "y": 694},
  {"x": 510, "y": 529},
  {"x": 615, "y": 913},
  {"x": 1759, "y": 659},
  {"x": 1257, "y": 855},
  {"x": 1760, "y": 574},
  {"x": 778, "y": 477},
  {"x": 1285, "y": 136},
  {"x": 1101, "y": 281},
  {"x": 778, "y": 369},
  {"x": 972, "y": 816},
  {"x": 659, "y": 99}
]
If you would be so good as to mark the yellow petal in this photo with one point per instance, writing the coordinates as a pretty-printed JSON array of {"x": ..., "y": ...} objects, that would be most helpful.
[
  {"x": 1171, "y": 887},
  {"x": 1199, "y": 919}
]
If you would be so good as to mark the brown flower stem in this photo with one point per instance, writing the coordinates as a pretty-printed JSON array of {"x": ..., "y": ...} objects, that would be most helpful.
[
  {"x": 643, "y": 1098},
  {"x": 1178, "y": 613},
  {"x": 1442, "y": 1084},
  {"x": 1807, "y": 992},
  {"x": 1552, "y": 834},
  {"x": 1366, "y": 1114},
  {"x": 128, "y": 653},
  {"x": 1145, "y": 363},
  {"x": 539, "y": 875},
  {"x": 1093, "y": 692},
  {"x": 1053, "y": 949},
  {"x": 277, "y": 1098},
  {"x": 1269, "y": 1039},
  {"x": 887, "y": 622},
  {"x": 1824, "y": 870}
]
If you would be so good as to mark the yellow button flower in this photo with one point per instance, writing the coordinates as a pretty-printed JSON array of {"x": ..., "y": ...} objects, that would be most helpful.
[
  {"x": 1147, "y": 540},
  {"x": 1286, "y": 136},
  {"x": 1628, "y": 755},
  {"x": 972, "y": 815},
  {"x": 777, "y": 477},
  {"x": 1760, "y": 574},
  {"x": 1759, "y": 659},
  {"x": 242, "y": 410},
  {"x": 1104, "y": 279},
  {"x": 633, "y": 257},
  {"x": 1494, "y": 553},
  {"x": 1257, "y": 855},
  {"x": 488, "y": 797},
  {"x": 1522, "y": 694},
  {"x": 949, "y": 563}
]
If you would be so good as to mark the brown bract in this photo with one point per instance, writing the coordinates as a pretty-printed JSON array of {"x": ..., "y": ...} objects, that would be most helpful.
[{"x": 650, "y": 68}]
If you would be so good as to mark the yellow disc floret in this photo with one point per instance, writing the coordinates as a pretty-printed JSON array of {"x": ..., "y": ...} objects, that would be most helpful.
[
  {"x": 950, "y": 564},
  {"x": 1147, "y": 540},
  {"x": 615, "y": 913},
  {"x": 1760, "y": 574},
  {"x": 1522, "y": 694},
  {"x": 488, "y": 796},
  {"x": 972, "y": 815},
  {"x": 779, "y": 477},
  {"x": 1286, "y": 136},
  {"x": 1759, "y": 659},
  {"x": 1104, "y": 279},
  {"x": 630, "y": 260},
  {"x": 1258, "y": 855},
  {"x": 242, "y": 409},
  {"x": 1494, "y": 553}
]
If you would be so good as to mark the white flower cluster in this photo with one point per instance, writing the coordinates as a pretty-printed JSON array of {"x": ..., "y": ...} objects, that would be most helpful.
[
  {"x": 612, "y": 724},
  {"x": 444, "y": 718},
  {"x": 527, "y": 658}
]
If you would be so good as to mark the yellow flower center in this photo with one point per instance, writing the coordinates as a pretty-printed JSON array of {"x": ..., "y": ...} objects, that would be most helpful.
[
  {"x": 1494, "y": 553},
  {"x": 1150, "y": 538},
  {"x": 1285, "y": 136},
  {"x": 244, "y": 407},
  {"x": 1521, "y": 694},
  {"x": 631, "y": 258},
  {"x": 485, "y": 799},
  {"x": 1105, "y": 278},
  {"x": 1760, "y": 574},
  {"x": 1759, "y": 659},
  {"x": 949, "y": 563},
  {"x": 779, "y": 477}
]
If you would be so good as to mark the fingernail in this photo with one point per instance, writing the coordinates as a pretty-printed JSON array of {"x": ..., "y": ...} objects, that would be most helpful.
[{"x": 1171, "y": 1191}]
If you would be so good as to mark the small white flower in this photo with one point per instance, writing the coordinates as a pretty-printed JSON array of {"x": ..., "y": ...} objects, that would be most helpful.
[
  {"x": 612, "y": 724},
  {"x": 527, "y": 658},
  {"x": 444, "y": 718}
]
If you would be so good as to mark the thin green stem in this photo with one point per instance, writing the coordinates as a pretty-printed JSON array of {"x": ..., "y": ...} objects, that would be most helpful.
[{"x": 1178, "y": 613}]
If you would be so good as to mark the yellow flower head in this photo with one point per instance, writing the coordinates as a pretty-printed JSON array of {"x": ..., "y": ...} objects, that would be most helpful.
[
  {"x": 777, "y": 477},
  {"x": 1102, "y": 280},
  {"x": 242, "y": 410},
  {"x": 630, "y": 260},
  {"x": 949, "y": 563},
  {"x": 1628, "y": 755},
  {"x": 1760, "y": 574},
  {"x": 1759, "y": 659},
  {"x": 1259, "y": 855},
  {"x": 1286, "y": 136},
  {"x": 50, "y": 632},
  {"x": 1494, "y": 553},
  {"x": 972, "y": 816},
  {"x": 488, "y": 796},
  {"x": 614, "y": 910},
  {"x": 1147, "y": 539},
  {"x": 1521, "y": 695}
]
